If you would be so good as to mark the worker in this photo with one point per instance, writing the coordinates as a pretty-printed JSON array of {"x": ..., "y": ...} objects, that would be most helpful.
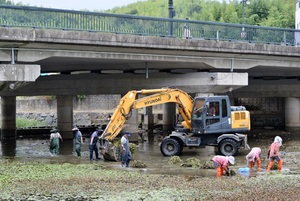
[
  {"x": 141, "y": 131},
  {"x": 222, "y": 164},
  {"x": 254, "y": 157},
  {"x": 273, "y": 154},
  {"x": 93, "y": 144},
  {"x": 211, "y": 110},
  {"x": 126, "y": 153},
  {"x": 54, "y": 141},
  {"x": 78, "y": 140}
]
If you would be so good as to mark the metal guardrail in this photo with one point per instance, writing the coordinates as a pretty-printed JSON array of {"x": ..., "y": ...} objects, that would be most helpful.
[{"x": 46, "y": 18}]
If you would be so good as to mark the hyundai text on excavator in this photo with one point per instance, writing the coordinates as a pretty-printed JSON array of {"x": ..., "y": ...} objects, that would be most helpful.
[{"x": 207, "y": 121}]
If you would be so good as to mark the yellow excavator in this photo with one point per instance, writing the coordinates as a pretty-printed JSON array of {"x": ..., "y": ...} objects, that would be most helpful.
[{"x": 207, "y": 120}]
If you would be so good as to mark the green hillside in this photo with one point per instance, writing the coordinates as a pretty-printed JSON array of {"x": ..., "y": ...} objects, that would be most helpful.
[{"x": 273, "y": 13}]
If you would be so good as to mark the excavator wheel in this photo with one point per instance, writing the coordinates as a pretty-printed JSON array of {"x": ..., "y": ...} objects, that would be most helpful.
[
  {"x": 228, "y": 147},
  {"x": 170, "y": 147}
]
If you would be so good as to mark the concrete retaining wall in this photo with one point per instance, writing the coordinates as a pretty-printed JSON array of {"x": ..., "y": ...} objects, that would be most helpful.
[
  {"x": 95, "y": 110},
  {"x": 88, "y": 110}
]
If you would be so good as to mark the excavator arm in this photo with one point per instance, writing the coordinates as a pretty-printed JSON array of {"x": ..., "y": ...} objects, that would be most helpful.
[{"x": 158, "y": 96}]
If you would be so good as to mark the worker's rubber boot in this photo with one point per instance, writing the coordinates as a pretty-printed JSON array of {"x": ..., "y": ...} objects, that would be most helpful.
[
  {"x": 258, "y": 161},
  {"x": 251, "y": 164},
  {"x": 219, "y": 172},
  {"x": 280, "y": 165},
  {"x": 270, "y": 166},
  {"x": 223, "y": 171}
]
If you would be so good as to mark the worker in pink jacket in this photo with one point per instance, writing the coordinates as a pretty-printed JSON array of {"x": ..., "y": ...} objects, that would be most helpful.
[
  {"x": 254, "y": 157},
  {"x": 222, "y": 163},
  {"x": 273, "y": 154}
]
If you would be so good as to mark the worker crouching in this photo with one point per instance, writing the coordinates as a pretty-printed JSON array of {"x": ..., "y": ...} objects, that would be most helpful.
[
  {"x": 273, "y": 154},
  {"x": 254, "y": 157},
  {"x": 222, "y": 164}
]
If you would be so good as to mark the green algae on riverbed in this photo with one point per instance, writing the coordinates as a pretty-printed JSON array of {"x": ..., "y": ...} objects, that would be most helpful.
[{"x": 90, "y": 181}]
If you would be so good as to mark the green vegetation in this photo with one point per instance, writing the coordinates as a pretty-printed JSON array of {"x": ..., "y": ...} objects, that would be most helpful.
[
  {"x": 25, "y": 123},
  {"x": 80, "y": 97},
  {"x": 92, "y": 181},
  {"x": 272, "y": 13}
]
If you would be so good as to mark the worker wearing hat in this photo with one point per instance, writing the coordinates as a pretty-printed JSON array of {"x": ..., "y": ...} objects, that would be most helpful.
[
  {"x": 222, "y": 164},
  {"x": 78, "y": 140},
  {"x": 273, "y": 154},
  {"x": 54, "y": 141},
  {"x": 254, "y": 157},
  {"x": 126, "y": 153}
]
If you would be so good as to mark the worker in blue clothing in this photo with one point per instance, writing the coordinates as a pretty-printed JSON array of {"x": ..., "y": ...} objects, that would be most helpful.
[
  {"x": 126, "y": 153},
  {"x": 93, "y": 143}
]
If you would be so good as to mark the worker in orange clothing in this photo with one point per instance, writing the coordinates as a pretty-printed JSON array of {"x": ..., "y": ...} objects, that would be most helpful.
[
  {"x": 254, "y": 157},
  {"x": 273, "y": 153},
  {"x": 222, "y": 164}
]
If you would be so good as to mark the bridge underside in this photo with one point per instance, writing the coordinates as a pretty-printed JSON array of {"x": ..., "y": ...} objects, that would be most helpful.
[
  {"x": 68, "y": 63},
  {"x": 94, "y": 83}
]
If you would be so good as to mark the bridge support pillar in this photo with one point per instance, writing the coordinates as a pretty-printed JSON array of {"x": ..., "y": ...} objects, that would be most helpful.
[
  {"x": 149, "y": 121},
  {"x": 132, "y": 126},
  {"x": 8, "y": 111},
  {"x": 292, "y": 114},
  {"x": 169, "y": 111},
  {"x": 65, "y": 116}
]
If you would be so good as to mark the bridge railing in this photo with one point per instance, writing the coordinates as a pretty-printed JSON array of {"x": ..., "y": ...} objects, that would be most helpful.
[{"x": 46, "y": 18}]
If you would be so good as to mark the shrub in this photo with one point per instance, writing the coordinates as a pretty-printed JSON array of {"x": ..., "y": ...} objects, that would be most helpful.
[{"x": 25, "y": 123}]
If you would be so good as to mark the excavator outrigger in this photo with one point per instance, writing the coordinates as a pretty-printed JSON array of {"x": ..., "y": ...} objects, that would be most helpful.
[{"x": 207, "y": 120}]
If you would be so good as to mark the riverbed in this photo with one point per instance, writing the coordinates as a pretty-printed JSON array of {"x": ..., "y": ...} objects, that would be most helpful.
[{"x": 29, "y": 172}]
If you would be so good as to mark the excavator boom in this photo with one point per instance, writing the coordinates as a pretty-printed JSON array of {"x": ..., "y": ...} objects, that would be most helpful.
[{"x": 157, "y": 96}]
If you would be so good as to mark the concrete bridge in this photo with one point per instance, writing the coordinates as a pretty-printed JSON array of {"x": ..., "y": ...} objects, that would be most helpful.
[{"x": 66, "y": 63}]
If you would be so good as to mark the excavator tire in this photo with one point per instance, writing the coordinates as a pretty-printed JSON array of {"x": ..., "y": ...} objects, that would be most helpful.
[
  {"x": 170, "y": 147},
  {"x": 228, "y": 147}
]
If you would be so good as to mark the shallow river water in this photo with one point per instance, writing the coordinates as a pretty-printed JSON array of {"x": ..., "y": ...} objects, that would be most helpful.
[{"x": 38, "y": 150}]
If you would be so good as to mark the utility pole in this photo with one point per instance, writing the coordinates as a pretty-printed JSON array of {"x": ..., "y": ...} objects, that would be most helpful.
[
  {"x": 171, "y": 15},
  {"x": 243, "y": 33}
]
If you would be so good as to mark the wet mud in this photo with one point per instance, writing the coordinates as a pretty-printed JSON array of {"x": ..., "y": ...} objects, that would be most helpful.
[
  {"x": 29, "y": 172},
  {"x": 149, "y": 154}
]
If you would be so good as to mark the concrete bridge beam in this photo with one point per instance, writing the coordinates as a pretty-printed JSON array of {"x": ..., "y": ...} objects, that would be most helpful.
[
  {"x": 121, "y": 84},
  {"x": 14, "y": 76}
]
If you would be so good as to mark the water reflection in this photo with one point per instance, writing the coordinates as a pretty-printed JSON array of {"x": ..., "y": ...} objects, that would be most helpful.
[
  {"x": 38, "y": 149},
  {"x": 66, "y": 147}
]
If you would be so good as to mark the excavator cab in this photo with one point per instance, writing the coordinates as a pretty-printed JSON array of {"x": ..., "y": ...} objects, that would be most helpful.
[
  {"x": 199, "y": 110},
  {"x": 207, "y": 116},
  {"x": 214, "y": 122},
  {"x": 214, "y": 115}
]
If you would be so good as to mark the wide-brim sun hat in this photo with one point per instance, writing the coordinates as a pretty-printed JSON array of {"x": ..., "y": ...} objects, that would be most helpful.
[
  {"x": 278, "y": 140},
  {"x": 250, "y": 157},
  {"x": 54, "y": 130},
  {"x": 231, "y": 160}
]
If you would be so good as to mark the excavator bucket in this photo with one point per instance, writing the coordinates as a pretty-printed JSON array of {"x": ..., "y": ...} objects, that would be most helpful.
[{"x": 109, "y": 151}]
